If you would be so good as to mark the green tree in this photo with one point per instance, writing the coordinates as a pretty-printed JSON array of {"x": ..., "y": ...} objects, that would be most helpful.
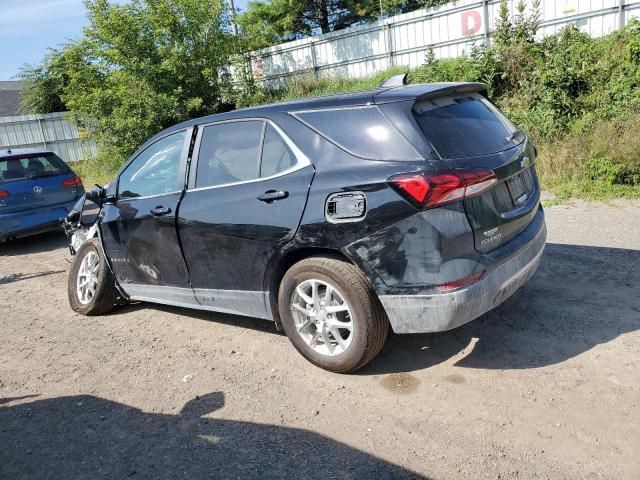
[
  {"x": 410, "y": 5},
  {"x": 142, "y": 66},
  {"x": 267, "y": 22},
  {"x": 43, "y": 85}
]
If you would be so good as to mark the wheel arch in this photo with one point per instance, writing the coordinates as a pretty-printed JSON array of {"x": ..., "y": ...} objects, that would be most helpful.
[{"x": 285, "y": 262}]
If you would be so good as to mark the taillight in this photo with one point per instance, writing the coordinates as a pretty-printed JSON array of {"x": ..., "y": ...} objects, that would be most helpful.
[
  {"x": 474, "y": 277},
  {"x": 4, "y": 194},
  {"x": 72, "y": 182},
  {"x": 427, "y": 190}
]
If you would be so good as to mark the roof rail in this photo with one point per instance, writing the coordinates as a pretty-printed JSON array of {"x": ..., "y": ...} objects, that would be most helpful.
[{"x": 395, "y": 81}]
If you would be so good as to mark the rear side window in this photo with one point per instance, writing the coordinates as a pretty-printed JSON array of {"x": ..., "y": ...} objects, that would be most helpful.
[
  {"x": 276, "y": 155},
  {"x": 32, "y": 166},
  {"x": 463, "y": 126},
  {"x": 362, "y": 131},
  {"x": 229, "y": 153}
]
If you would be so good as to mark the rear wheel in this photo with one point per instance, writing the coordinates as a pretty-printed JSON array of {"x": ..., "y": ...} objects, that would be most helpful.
[
  {"x": 91, "y": 286},
  {"x": 331, "y": 314}
]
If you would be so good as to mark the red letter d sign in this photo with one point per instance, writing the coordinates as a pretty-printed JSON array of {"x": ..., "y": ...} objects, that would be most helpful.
[{"x": 471, "y": 22}]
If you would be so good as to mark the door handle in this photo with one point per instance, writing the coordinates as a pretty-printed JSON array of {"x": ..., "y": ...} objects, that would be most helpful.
[
  {"x": 160, "y": 210},
  {"x": 271, "y": 195}
]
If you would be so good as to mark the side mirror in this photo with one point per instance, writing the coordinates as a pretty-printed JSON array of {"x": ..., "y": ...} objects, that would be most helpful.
[
  {"x": 94, "y": 195},
  {"x": 93, "y": 200}
]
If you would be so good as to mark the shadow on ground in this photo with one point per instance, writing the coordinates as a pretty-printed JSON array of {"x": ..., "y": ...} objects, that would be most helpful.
[
  {"x": 17, "y": 277},
  {"x": 43, "y": 242},
  {"x": 252, "y": 323},
  {"x": 80, "y": 437},
  {"x": 579, "y": 298}
]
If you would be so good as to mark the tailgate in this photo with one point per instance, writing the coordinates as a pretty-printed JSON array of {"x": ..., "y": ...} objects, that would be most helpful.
[
  {"x": 502, "y": 212},
  {"x": 468, "y": 132},
  {"x": 28, "y": 194}
]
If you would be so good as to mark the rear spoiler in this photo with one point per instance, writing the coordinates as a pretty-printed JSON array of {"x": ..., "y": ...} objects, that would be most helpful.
[
  {"x": 395, "y": 81},
  {"x": 428, "y": 90}
]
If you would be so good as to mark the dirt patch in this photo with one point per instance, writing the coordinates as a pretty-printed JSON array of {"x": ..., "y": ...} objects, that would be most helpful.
[
  {"x": 401, "y": 383},
  {"x": 455, "y": 378}
]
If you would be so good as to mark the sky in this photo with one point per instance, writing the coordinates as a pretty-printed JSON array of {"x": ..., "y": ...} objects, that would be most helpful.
[{"x": 29, "y": 27}]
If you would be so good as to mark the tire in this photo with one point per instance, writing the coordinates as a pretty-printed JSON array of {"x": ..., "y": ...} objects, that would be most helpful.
[
  {"x": 368, "y": 319},
  {"x": 105, "y": 294}
]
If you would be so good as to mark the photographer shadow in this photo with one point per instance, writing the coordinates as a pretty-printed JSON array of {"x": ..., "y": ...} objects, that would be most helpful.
[{"x": 79, "y": 437}]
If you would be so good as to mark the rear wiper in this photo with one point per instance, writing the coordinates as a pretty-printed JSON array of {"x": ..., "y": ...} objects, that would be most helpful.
[{"x": 513, "y": 135}]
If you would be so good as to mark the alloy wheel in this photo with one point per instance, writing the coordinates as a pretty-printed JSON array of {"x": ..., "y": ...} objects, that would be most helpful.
[
  {"x": 87, "y": 280},
  {"x": 322, "y": 317}
]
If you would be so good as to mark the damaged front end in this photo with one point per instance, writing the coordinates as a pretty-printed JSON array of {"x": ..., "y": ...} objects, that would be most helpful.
[{"x": 82, "y": 221}]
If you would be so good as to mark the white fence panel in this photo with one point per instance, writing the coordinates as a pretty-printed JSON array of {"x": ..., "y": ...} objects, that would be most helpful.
[
  {"x": 403, "y": 40},
  {"x": 50, "y": 131}
]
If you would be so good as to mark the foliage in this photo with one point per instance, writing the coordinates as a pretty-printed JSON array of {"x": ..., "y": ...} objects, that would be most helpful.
[
  {"x": 148, "y": 64},
  {"x": 143, "y": 66},
  {"x": 267, "y": 22},
  {"x": 43, "y": 85},
  {"x": 410, "y": 5},
  {"x": 579, "y": 97}
]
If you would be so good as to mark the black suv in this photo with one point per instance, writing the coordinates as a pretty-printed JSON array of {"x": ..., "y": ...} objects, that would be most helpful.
[{"x": 410, "y": 206}]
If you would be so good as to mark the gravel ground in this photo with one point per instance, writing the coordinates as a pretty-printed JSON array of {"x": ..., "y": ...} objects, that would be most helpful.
[{"x": 544, "y": 386}]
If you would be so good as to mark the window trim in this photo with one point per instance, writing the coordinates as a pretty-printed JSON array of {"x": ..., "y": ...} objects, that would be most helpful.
[
  {"x": 281, "y": 136},
  {"x": 302, "y": 160},
  {"x": 181, "y": 166}
]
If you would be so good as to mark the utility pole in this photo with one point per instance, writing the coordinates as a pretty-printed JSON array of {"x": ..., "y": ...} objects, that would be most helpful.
[{"x": 234, "y": 25}]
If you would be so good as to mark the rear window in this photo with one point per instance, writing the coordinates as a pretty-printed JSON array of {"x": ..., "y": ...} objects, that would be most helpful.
[
  {"x": 362, "y": 131},
  {"x": 464, "y": 126},
  {"x": 31, "y": 166}
]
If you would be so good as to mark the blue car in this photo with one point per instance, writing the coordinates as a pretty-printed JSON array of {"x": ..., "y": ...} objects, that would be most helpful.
[{"x": 37, "y": 189}]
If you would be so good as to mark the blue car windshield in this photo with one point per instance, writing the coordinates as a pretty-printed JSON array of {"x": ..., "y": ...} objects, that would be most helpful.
[{"x": 30, "y": 166}]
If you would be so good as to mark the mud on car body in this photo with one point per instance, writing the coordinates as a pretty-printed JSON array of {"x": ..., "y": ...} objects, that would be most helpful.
[{"x": 414, "y": 207}]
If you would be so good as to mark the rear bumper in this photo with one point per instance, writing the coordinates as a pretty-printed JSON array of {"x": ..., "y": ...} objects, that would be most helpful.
[
  {"x": 444, "y": 311},
  {"x": 30, "y": 222}
]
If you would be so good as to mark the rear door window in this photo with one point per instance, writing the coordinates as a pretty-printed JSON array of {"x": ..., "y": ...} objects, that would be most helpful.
[
  {"x": 32, "y": 166},
  {"x": 362, "y": 131},
  {"x": 464, "y": 126},
  {"x": 229, "y": 153}
]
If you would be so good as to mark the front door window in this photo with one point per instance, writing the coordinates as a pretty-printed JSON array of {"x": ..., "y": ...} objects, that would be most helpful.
[{"x": 154, "y": 171}]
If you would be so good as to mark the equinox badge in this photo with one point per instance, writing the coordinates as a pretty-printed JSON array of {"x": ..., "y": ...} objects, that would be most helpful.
[{"x": 491, "y": 236}]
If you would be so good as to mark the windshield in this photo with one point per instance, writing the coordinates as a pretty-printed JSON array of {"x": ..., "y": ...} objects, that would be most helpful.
[
  {"x": 30, "y": 166},
  {"x": 465, "y": 126}
]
